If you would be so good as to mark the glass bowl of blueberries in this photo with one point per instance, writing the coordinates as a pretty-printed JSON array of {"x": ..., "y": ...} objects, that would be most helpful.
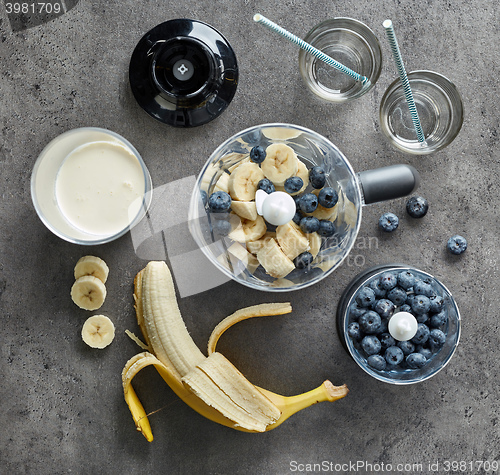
[{"x": 401, "y": 325}]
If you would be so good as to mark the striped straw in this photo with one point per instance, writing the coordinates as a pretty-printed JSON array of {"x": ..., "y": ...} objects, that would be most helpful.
[
  {"x": 396, "y": 53},
  {"x": 310, "y": 49}
]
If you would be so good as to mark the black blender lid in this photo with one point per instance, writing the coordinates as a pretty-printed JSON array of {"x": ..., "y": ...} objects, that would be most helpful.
[{"x": 183, "y": 73}]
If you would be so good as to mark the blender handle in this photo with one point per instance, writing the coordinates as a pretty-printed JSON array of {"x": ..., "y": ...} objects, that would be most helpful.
[{"x": 388, "y": 183}]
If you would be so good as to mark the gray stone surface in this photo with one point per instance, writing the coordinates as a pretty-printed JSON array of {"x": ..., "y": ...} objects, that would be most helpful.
[{"x": 62, "y": 403}]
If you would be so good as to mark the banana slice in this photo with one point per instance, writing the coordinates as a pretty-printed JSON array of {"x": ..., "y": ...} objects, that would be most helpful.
[
  {"x": 314, "y": 243},
  {"x": 255, "y": 246},
  {"x": 281, "y": 163},
  {"x": 249, "y": 230},
  {"x": 240, "y": 253},
  {"x": 88, "y": 292},
  {"x": 245, "y": 209},
  {"x": 274, "y": 260},
  {"x": 98, "y": 331},
  {"x": 222, "y": 184},
  {"x": 92, "y": 265},
  {"x": 281, "y": 133},
  {"x": 291, "y": 240},
  {"x": 244, "y": 180},
  {"x": 302, "y": 172}
]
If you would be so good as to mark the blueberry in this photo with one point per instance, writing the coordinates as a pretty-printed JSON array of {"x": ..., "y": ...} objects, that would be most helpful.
[
  {"x": 365, "y": 297},
  {"x": 457, "y": 244},
  {"x": 376, "y": 362},
  {"x": 303, "y": 260},
  {"x": 219, "y": 202},
  {"x": 266, "y": 185},
  {"x": 317, "y": 177},
  {"x": 297, "y": 218},
  {"x": 388, "y": 280},
  {"x": 407, "y": 347},
  {"x": 326, "y": 228},
  {"x": 417, "y": 207},
  {"x": 436, "y": 339},
  {"x": 384, "y": 325},
  {"x": 386, "y": 340},
  {"x": 221, "y": 227},
  {"x": 420, "y": 304},
  {"x": 422, "y": 317},
  {"x": 388, "y": 222},
  {"x": 257, "y": 154},
  {"x": 393, "y": 355},
  {"x": 424, "y": 351},
  {"x": 423, "y": 288},
  {"x": 422, "y": 334},
  {"x": 355, "y": 311},
  {"x": 369, "y": 322},
  {"x": 384, "y": 307},
  {"x": 293, "y": 184},
  {"x": 309, "y": 224},
  {"x": 416, "y": 360},
  {"x": 353, "y": 331},
  {"x": 379, "y": 291},
  {"x": 397, "y": 295},
  {"x": 439, "y": 319},
  {"x": 308, "y": 202},
  {"x": 405, "y": 308},
  {"x": 204, "y": 197},
  {"x": 371, "y": 345},
  {"x": 437, "y": 303},
  {"x": 328, "y": 197},
  {"x": 406, "y": 279}
]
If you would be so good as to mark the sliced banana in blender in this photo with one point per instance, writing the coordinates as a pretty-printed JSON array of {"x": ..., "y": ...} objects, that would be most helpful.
[
  {"x": 292, "y": 240},
  {"x": 91, "y": 265},
  {"x": 315, "y": 242},
  {"x": 248, "y": 230},
  {"x": 98, "y": 331},
  {"x": 281, "y": 162},
  {"x": 245, "y": 209},
  {"x": 274, "y": 260},
  {"x": 244, "y": 180},
  {"x": 255, "y": 246}
]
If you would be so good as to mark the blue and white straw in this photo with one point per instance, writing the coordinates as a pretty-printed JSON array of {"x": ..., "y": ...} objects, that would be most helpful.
[
  {"x": 310, "y": 49},
  {"x": 396, "y": 53}
]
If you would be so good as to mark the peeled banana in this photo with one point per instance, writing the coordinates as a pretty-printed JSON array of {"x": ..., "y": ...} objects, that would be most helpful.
[{"x": 210, "y": 385}]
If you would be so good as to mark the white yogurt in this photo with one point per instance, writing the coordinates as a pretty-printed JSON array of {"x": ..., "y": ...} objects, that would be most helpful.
[{"x": 99, "y": 187}]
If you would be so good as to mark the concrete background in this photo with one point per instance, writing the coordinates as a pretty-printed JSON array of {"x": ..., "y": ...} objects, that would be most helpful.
[{"x": 62, "y": 404}]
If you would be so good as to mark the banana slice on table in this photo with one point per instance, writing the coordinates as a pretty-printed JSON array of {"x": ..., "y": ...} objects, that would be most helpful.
[
  {"x": 98, "y": 331},
  {"x": 92, "y": 265},
  {"x": 281, "y": 162},
  {"x": 88, "y": 292},
  {"x": 244, "y": 180},
  {"x": 245, "y": 209},
  {"x": 292, "y": 240},
  {"x": 274, "y": 260},
  {"x": 249, "y": 230}
]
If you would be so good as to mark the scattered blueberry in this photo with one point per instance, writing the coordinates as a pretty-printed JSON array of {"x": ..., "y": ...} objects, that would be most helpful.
[
  {"x": 407, "y": 347},
  {"x": 326, "y": 228},
  {"x": 328, "y": 197},
  {"x": 309, "y": 224},
  {"x": 371, "y": 345},
  {"x": 257, "y": 154},
  {"x": 422, "y": 334},
  {"x": 369, "y": 322},
  {"x": 293, "y": 184},
  {"x": 388, "y": 222},
  {"x": 384, "y": 307},
  {"x": 219, "y": 201},
  {"x": 420, "y": 304},
  {"x": 437, "y": 303},
  {"x": 297, "y": 218},
  {"x": 317, "y": 177},
  {"x": 457, "y": 244},
  {"x": 353, "y": 331},
  {"x": 365, "y": 297},
  {"x": 377, "y": 362},
  {"x": 303, "y": 260},
  {"x": 394, "y": 355},
  {"x": 421, "y": 287},
  {"x": 386, "y": 340},
  {"x": 439, "y": 319},
  {"x": 406, "y": 279},
  {"x": 308, "y": 202},
  {"x": 388, "y": 280},
  {"x": 417, "y": 207},
  {"x": 416, "y": 360},
  {"x": 397, "y": 295},
  {"x": 379, "y": 291},
  {"x": 266, "y": 185},
  {"x": 436, "y": 339}
]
